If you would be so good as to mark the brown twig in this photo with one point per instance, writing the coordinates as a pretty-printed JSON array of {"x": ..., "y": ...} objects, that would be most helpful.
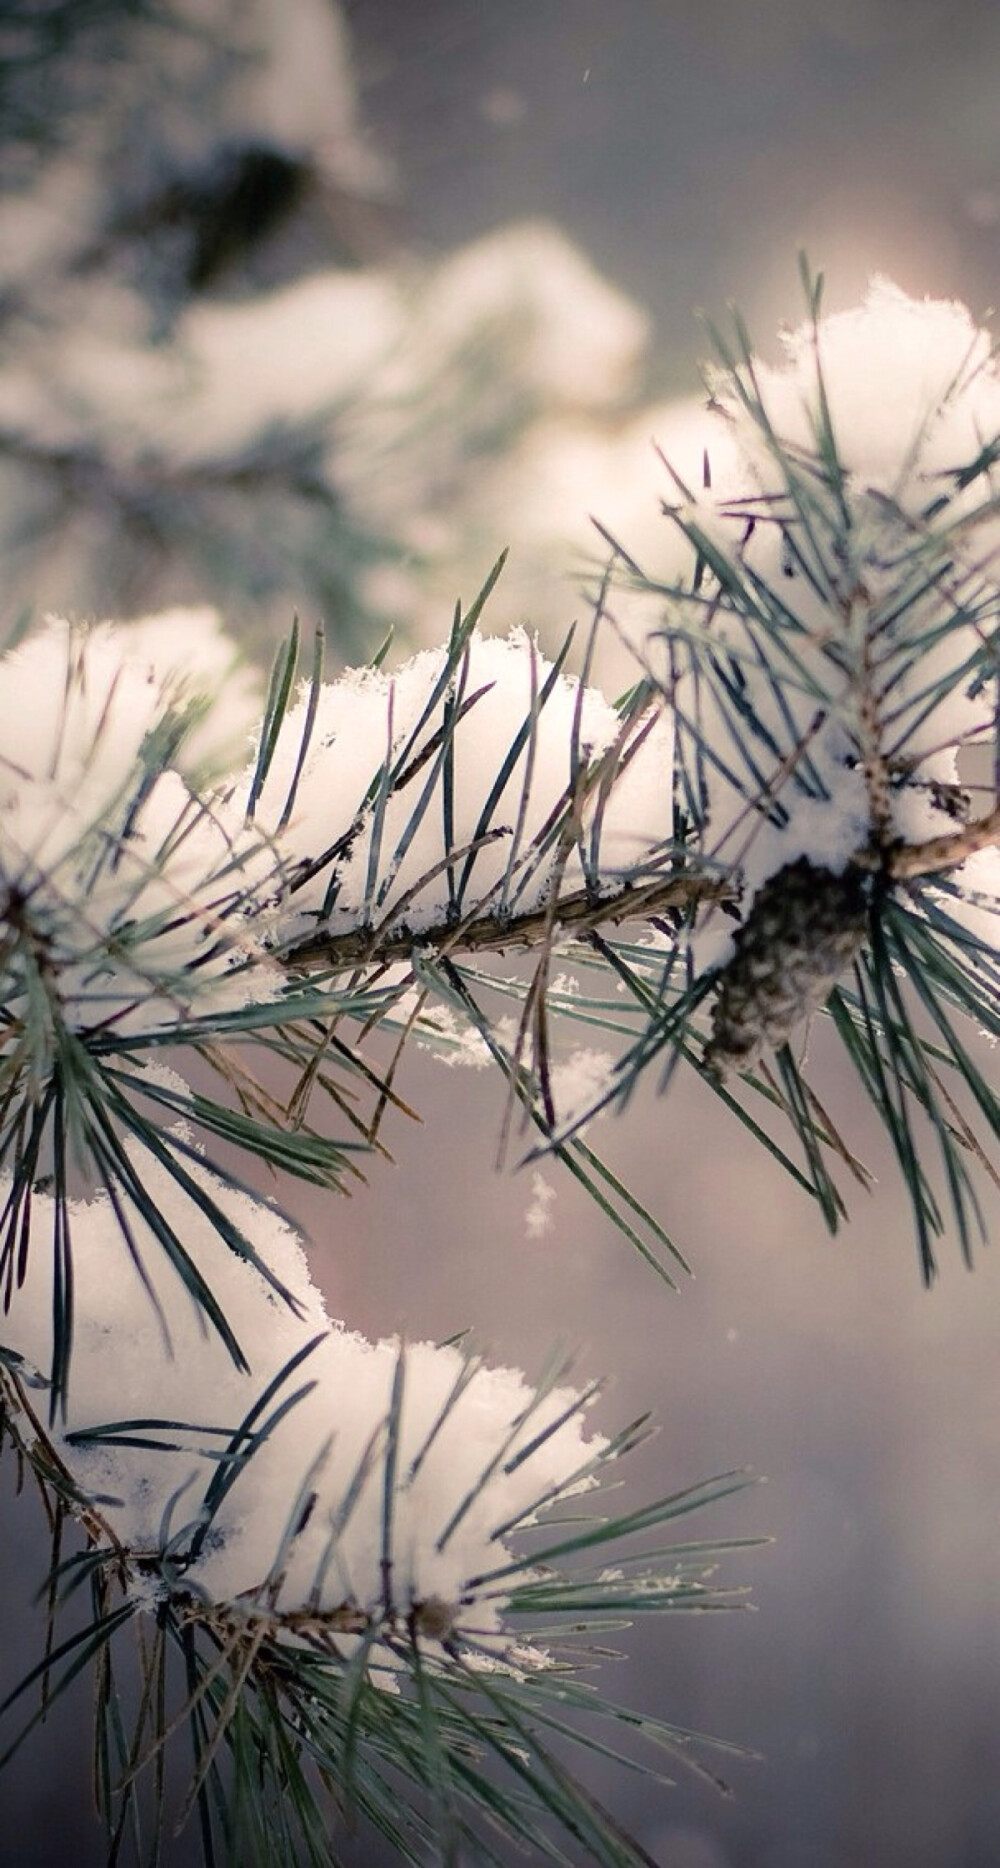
[
  {"x": 579, "y": 913},
  {"x": 908, "y": 860},
  {"x": 574, "y": 915}
]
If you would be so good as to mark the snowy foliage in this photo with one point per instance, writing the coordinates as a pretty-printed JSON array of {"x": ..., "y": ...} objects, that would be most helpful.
[
  {"x": 843, "y": 626},
  {"x": 484, "y": 782},
  {"x": 124, "y": 888},
  {"x": 319, "y": 1415},
  {"x": 155, "y": 903},
  {"x": 783, "y": 794}
]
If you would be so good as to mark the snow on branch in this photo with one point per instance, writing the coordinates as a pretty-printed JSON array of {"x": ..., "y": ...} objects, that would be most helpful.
[
  {"x": 784, "y": 802},
  {"x": 830, "y": 661},
  {"x": 789, "y": 778},
  {"x": 477, "y": 784},
  {"x": 838, "y": 644},
  {"x": 364, "y": 1546},
  {"x": 783, "y": 781},
  {"x": 274, "y": 1487},
  {"x": 124, "y": 886}
]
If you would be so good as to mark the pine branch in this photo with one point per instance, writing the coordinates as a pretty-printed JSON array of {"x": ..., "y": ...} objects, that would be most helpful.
[
  {"x": 790, "y": 761},
  {"x": 295, "y": 1686},
  {"x": 905, "y": 861},
  {"x": 578, "y": 914},
  {"x": 570, "y": 917}
]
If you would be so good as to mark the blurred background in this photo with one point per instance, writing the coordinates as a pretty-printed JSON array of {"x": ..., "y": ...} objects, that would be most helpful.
[{"x": 314, "y": 308}]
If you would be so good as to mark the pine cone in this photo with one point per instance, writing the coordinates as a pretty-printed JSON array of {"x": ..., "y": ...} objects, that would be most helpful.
[{"x": 804, "y": 927}]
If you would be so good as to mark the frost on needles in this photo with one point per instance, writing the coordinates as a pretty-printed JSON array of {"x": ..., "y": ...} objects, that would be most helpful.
[{"x": 363, "y": 1547}]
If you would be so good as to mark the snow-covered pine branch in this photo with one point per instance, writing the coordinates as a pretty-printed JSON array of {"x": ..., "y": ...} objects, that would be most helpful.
[
  {"x": 822, "y": 659},
  {"x": 331, "y": 1533},
  {"x": 364, "y": 1524},
  {"x": 830, "y": 662}
]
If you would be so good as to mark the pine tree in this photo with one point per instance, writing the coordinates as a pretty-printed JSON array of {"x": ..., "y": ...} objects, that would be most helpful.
[{"x": 352, "y": 1580}]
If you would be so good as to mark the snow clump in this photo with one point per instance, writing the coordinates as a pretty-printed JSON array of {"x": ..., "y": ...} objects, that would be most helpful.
[
  {"x": 444, "y": 788},
  {"x": 122, "y": 886},
  {"x": 848, "y": 606},
  {"x": 467, "y": 1451}
]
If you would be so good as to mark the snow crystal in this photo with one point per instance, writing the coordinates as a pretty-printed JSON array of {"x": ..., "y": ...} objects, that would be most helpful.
[
  {"x": 455, "y": 1043},
  {"x": 538, "y": 1218},
  {"x": 580, "y": 1080}
]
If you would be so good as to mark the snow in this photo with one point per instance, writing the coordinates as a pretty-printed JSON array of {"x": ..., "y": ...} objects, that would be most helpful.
[
  {"x": 476, "y": 1447},
  {"x": 189, "y": 651},
  {"x": 900, "y": 606},
  {"x": 41, "y": 230},
  {"x": 453, "y": 1043},
  {"x": 155, "y": 898},
  {"x": 912, "y": 387},
  {"x": 580, "y": 1080},
  {"x": 972, "y": 899},
  {"x": 369, "y": 719},
  {"x": 539, "y": 1219},
  {"x": 569, "y": 469},
  {"x": 287, "y": 358},
  {"x": 296, "y": 89},
  {"x": 579, "y": 339},
  {"x": 128, "y": 882},
  {"x": 232, "y": 376}
]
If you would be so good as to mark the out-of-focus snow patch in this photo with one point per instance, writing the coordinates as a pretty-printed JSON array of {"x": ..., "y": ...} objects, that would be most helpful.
[
  {"x": 579, "y": 340},
  {"x": 41, "y": 229},
  {"x": 287, "y": 359},
  {"x": 190, "y": 651},
  {"x": 565, "y": 483},
  {"x": 567, "y": 472},
  {"x": 297, "y": 89}
]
